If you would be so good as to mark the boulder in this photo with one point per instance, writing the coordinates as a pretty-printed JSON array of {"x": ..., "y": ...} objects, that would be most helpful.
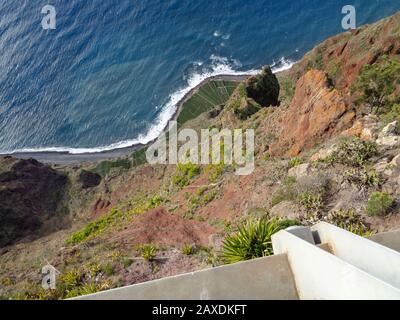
[
  {"x": 324, "y": 153},
  {"x": 388, "y": 137},
  {"x": 364, "y": 128},
  {"x": 89, "y": 179},
  {"x": 389, "y": 130},
  {"x": 287, "y": 210},
  {"x": 300, "y": 171},
  {"x": 389, "y": 142},
  {"x": 263, "y": 88}
]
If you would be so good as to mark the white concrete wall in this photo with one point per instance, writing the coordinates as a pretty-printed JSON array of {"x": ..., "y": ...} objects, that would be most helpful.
[
  {"x": 390, "y": 239},
  {"x": 321, "y": 275},
  {"x": 367, "y": 255},
  {"x": 265, "y": 278}
]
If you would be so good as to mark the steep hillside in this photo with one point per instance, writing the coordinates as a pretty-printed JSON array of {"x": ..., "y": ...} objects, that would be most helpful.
[{"x": 327, "y": 149}]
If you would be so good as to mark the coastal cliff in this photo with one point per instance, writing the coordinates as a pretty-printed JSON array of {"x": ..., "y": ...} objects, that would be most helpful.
[{"x": 327, "y": 149}]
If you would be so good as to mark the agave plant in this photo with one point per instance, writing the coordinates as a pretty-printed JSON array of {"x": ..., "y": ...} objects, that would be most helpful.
[{"x": 253, "y": 240}]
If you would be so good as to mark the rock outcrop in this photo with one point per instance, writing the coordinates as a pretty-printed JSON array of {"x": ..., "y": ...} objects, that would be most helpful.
[
  {"x": 316, "y": 112},
  {"x": 388, "y": 137},
  {"x": 30, "y": 193},
  {"x": 263, "y": 88},
  {"x": 89, "y": 179}
]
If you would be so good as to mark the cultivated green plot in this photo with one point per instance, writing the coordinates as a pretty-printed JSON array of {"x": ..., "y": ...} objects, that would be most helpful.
[{"x": 209, "y": 96}]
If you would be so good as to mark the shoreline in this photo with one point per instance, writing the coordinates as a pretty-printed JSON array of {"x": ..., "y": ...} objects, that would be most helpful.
[{"x": 67, "y": 158}]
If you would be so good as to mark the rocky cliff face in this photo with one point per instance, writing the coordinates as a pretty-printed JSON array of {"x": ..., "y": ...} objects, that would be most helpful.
[
  {"x": 324, "y": 102},
  {"x": 316, "y": 112},
  {"x": 30, "y": 194}
]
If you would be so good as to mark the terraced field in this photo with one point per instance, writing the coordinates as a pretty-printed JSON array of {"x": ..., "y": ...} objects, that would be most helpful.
[{"x": 208, "y": 96}]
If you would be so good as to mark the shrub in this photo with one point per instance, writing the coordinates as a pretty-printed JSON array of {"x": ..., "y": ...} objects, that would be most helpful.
[
  {"x": 377, "y": 83},
  {"x": 109, "y": 220},
  {"x": 139, "y": 157},
  {"x": 5, "y": 282},
  {"x": 202, "y": 197},
  {"x": 348, "y": 220},
  {"x": 215, "y": 171},
  {"x": 379, "y": 204},
  {"x": 126, "y": 262},
  {"x": 364, "y": 176},
  {"x": 294, "y": 162},
  {"x": 95, "y": 227},
  {"x": 354, "y": 152},
  {"x": 148, "y": 252},
  {"x": 393, "y": 114},
  {"x": 104, "y": 167},
  {"x": 93, "y": 269},
  {"x": 108, "y": 269},
  {"x": 287, "y": 192},
  {"x": 311, "y": 202},
  {"x": 334, "y": 68},
  {"x": 71, "y": 279},
  {"x": 155, "y": 202},
  {"x": 253, "y": 240},
  {"x": 184, "y": 173},
  {"x": 188, "y": 250}
]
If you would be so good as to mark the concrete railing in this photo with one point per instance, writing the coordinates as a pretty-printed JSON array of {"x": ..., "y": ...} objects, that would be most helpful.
[
  {"x": 324, "y": 262},
  {"x": 322, "y": 275}
]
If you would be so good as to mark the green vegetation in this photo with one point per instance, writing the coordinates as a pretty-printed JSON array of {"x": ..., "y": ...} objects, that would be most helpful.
[
  {"x": 253, "y": 240},
  {"x": 364, "y": 176},
  {"x": 155, "y": 202},
  {"x": 316, "y": 60},
  {"x": 185, "y": 173},
  {"x": 334, "y": 68},
  {"x": 287, "y": 192},
  {"x": 104, "y": 167},
  {"x": 294, "y": 162},
  {"x": 215, "y": 171},
  {"x": 126, "y": 262},
  {"x": 288, "y": 86},
  {"x": 221, "y": 224},
  {"x": 105, "y": 222},
  {"x": 377, "y": 84},
  {"x": 148, "y": 252},
  {"x": 380, "y": 204},
  {"x": 392, "y": 114},
  {"x": 243, "y": 106},
  {"x": 70, "y": 284},
  {"x": 5, "y": 282},
  {"x": 353, "y": 152},
  {"x": 202, "y": 197},
  {"x": 188, "y": 250},
  {"x": 108, "y": 269},
  {"x": 312, "y": 203},
  {"x": 209, "y": 96},
  {"x": 139, "y": 157},
  {"x": 350, "y": 221}
]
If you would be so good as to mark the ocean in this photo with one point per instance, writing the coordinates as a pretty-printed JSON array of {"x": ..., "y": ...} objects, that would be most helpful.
[{"x": 111, "y": 73}]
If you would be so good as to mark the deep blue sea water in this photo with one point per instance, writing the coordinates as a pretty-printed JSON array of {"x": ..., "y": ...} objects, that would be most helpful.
[{"x": 112, "y": 71}]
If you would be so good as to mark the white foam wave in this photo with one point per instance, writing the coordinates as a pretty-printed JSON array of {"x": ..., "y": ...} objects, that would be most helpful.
[{"x": 219, "y": 66}]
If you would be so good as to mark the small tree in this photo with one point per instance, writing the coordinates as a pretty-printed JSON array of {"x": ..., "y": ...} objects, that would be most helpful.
[{"x": 377, "y": 82}]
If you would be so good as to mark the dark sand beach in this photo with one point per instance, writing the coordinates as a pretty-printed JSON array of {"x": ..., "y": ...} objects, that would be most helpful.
[{"x": 66, "y": 158}]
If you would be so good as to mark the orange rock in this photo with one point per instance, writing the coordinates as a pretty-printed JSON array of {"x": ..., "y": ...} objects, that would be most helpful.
[
  {"x": 316, "y": 112},
  {"x": 364, "y": 128}
]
